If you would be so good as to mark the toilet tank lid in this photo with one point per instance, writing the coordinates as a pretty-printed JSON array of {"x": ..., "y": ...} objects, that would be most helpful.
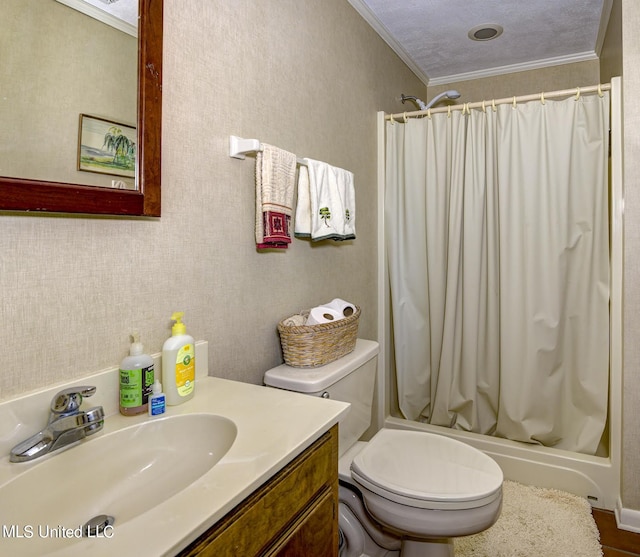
[{"x": 311, "y": 380}]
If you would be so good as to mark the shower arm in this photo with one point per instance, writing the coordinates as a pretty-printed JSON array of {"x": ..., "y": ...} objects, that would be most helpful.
[
  {"x": 452, "y": 94},
  {"x": 421, "y": 104}
]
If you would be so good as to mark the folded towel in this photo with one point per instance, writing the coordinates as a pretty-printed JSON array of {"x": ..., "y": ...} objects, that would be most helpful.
[
  {"x": 275, "y": 183},
  {"x": 326, "y": 206},
  {"x": 302, "y": 227}
]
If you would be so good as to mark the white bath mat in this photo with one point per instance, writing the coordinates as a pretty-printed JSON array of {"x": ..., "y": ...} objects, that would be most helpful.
[{"x": 536, "y": 522}]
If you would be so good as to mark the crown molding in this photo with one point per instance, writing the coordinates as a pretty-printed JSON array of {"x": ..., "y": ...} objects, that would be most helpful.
[{"x": 513, "y": 68}]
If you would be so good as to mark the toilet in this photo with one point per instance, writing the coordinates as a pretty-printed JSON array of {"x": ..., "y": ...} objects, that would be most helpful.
[{"x": 402, "y": 493}]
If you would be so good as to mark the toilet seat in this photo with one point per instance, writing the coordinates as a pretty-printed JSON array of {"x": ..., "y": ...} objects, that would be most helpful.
[{"x": 427, "y": 471}]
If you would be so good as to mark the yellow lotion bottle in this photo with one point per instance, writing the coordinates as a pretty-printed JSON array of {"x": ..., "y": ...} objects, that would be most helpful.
[{"x": 179, "y": 363}]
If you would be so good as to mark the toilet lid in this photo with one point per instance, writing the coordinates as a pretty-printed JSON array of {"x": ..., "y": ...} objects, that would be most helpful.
[{"x": 427, "y": 470}]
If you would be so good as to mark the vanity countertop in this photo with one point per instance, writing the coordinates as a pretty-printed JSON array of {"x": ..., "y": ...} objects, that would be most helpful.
[{"x": 273, "y": 427}]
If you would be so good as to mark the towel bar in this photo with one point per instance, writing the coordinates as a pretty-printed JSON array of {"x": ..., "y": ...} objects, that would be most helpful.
[{"x": 239, "y": 147}]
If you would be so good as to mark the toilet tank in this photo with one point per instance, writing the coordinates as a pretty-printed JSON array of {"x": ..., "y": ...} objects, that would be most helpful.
[{"x": 348, "y": 379}]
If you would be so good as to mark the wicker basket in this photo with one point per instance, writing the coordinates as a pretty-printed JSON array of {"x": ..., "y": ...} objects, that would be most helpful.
[{"x": 316, "y": 345}]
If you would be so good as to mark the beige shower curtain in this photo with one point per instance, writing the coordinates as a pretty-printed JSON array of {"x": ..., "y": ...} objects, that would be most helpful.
[{"x": 498, "y": 254}]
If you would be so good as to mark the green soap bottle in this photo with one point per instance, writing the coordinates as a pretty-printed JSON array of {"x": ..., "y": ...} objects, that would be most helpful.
[{"x": 136, "y": 379}]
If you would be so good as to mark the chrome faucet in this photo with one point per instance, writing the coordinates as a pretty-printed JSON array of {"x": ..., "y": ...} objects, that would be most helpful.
[{"x": 67, "y": 424}]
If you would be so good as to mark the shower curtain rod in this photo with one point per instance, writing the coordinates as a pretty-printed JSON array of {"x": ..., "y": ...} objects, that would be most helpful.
[{"x": 465, "y": 107}]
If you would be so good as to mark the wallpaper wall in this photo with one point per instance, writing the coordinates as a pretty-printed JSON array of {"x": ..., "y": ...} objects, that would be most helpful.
[
  {"x": 631, "y": 377},
  {"x": 306, "y": 76}
]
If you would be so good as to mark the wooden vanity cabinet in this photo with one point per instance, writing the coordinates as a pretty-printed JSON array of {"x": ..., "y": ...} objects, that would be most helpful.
[{"x": 294, "y": 514}]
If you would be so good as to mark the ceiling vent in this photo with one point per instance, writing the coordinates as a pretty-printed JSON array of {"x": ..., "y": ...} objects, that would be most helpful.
[{"x": 485, "y": 32}]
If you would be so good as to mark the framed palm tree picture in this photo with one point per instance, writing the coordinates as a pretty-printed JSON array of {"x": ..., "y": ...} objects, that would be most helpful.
[{"x": 106, "y": 147}]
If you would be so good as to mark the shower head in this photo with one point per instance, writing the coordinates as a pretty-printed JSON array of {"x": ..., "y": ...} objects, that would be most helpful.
[{"x": 451, "y": 94}]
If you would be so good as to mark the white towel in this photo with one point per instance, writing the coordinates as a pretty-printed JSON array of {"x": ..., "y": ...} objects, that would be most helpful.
[
  {"x": 297, "y": 320},
  {"x": 302, "y": 226},
  {"x": 275, "y": 184},
  {"x": 326, "y": 206}
]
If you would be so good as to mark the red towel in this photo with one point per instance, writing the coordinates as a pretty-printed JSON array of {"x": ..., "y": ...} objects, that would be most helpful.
[{"x": 275, "y": 182}]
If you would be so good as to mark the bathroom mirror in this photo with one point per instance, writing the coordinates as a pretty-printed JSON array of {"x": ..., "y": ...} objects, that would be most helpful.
[{"x": 26, "y": 194}]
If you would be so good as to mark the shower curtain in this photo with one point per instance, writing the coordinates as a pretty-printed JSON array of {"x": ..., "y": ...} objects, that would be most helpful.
[{"x": 498, "y": 256}]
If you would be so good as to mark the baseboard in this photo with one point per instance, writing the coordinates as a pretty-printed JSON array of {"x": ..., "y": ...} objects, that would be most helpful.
[{"x": 627, "y": 519}]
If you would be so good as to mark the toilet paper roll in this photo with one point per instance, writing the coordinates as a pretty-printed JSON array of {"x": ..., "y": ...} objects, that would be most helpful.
[
  {"x": 322, "y": 314},
  {"x": 345, "y": 309}
]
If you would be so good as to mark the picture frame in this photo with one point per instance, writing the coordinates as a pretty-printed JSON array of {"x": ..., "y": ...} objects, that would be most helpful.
[{"x": 106, "y": 146}]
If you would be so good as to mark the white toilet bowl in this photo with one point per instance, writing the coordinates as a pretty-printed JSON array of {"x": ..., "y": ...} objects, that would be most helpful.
[
  {"x": 420, "y": 490},
  {"x": 427, "y": 488}
]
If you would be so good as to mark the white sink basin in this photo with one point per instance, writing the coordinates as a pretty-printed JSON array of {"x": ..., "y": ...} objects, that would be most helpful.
[{"x": 122, "y": 474}]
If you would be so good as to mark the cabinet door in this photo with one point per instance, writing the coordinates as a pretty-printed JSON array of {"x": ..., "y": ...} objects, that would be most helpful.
[
  {"x": 315, "y": 532},
  {"x": 299, "y": 501}
]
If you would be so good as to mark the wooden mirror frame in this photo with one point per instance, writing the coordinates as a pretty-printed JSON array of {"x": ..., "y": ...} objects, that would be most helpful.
[{"x": 17, "y": 194}]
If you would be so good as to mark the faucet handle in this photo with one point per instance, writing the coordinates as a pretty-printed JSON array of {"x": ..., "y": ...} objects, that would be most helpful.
[{"x": 69, "y": 400}]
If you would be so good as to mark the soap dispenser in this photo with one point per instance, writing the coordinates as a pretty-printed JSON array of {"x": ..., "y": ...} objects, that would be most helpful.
[
  {"x": 136, "y": 378},
  {"x": 179, "y": 363}
]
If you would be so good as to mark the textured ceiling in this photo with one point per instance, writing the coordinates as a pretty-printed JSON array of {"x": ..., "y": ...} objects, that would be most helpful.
[
  {"x": 431, "y": 36},
  {"x": 121, "y": 14},
  {"x": 126, "y": 10}
]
